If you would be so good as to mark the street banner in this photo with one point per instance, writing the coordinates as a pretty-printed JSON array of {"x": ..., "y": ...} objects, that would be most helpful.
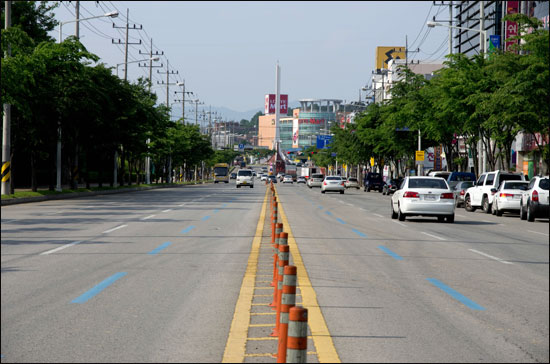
[
  {"x": 271, "y": 99},
  {"x": 512, "y": 7}
]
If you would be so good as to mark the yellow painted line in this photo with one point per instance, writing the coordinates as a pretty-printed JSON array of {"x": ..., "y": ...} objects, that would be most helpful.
[
  {"x": 263, "y": 313},
  {"x": 326, "y": 352},
  {"x": 260, "y": 304},
  {"x": 262, "y": 325},
  {"x": 271, "y": 288},
  {"x": 263, "y": 295},
  {"x": 262, "y": 338},
  {"x": 264, "y": 282},
  {"x": 235, "y": 346}
]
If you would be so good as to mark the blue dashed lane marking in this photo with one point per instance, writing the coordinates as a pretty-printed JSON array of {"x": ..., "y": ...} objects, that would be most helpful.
[
  {"x": 205, "y": 218},
  {"x": 454, "y": 294},
  {"x": 188, "y": 229},
  {"x": 389, "y": 252},
  {"x": 328, "y": 213},
  {"x": 340, "y": 221},
  {"x": 163, "y": 246},
  {"x": 359, "y": 233},
  {"x": 100, "y": 287}
]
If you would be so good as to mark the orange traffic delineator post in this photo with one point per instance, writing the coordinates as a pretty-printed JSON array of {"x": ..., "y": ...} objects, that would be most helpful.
[
  {"x": 283, "y": 240},
  {"x": 275, "y": 247},
  {"x": 288, "y": 300},
  {"x": 296, "y": 351},
  {"x": 283, "y": 262}
]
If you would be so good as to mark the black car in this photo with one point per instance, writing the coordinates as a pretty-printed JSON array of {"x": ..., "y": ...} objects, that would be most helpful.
[
  {"x": 391, "y": 186},
  {"x": 233, "y": 176},
  {"x": 373, "y": 181},
  {"x": 272, "y": 179}
]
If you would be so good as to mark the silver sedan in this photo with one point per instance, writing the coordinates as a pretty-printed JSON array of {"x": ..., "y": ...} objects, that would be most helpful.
[{"x": 333, "y": 183}]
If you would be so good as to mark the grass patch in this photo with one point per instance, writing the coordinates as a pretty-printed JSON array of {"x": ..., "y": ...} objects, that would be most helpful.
[{"x": 25, "y": 194}]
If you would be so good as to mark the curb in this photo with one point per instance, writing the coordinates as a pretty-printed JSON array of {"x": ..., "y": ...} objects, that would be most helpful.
[{"x": 62, "y": 196}]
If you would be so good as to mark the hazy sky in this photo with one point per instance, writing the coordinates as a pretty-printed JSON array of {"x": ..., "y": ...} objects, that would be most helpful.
[{"x": 227, "y": 51}]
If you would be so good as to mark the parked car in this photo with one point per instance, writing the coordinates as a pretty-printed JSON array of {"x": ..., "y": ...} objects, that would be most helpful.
[
  {"x": 301, "y": 180},
  {"x": 333, "y": 183},
  {"x": 459, "y": 190},
  {"x": 391, "y": 186},
  {"x": 534, "y": 200},
  {"x": 352, "y": 182},
  {"x": 233, "y": 175},
  {"x": 423, "y": 196},
  {"x": 481, "y": 196},
  {"x": 456, "y": 177},
  {"x": 508, "y": 197},
  {"x": 373, "y": 181},
  {"x": 316, "y": 180},
  {"x": 287, "y": 179},
  {"x": 245, "y": 178}
]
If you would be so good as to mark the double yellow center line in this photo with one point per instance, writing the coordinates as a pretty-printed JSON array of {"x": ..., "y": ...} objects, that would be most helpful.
[{"x": 235, "y": 349}]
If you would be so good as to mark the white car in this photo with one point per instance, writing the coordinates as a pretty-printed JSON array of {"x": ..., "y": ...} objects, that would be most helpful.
[
  {"x": 263, "y": 176},
  {"x": 245, "y": 178},
  {"x": 301, "y": 180},
  {"x": 534, "y": 200},
  {"x": 508, "y": 197},
  {"x": 287, "y": 179},
  {"x": 352, "y": 182},
  {"x": 333, "y": 183},
  {"x": 316, "y": 180},
  {"x": 423, "y": 196}
]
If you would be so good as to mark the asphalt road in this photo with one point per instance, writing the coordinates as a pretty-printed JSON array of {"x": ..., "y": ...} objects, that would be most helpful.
[{"x": 154, "y": 276}]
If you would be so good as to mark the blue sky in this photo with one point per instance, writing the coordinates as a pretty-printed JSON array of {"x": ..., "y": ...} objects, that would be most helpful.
[{"x": 227, "y": 51}]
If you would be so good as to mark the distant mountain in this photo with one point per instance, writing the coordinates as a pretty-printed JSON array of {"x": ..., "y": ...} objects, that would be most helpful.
[{"x": 225, "y": 112}]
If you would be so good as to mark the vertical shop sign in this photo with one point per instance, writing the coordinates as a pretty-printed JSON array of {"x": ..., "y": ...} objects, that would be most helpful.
[{"x": 511, "y": 26}]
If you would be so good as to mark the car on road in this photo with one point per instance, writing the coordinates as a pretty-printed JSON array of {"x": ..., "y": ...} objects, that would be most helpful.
[
  {"x": 233, "y": 175},
  {"x": 351, "y": 182},
  {"x": 271, "y": 178},
  {"x": 456, "y": 177},
  {"x": 373, "y": 181},
  {"x": 391, "y": 186},
  {"x": 287, "y": 179},
  {"x": 459, "y": 190},
  {"x": 534, "y": 200},
  {"x": 334, "y": 184},
  {"x": 508, "y": 197},
  {"x": 442, "y": 174},
  {"x": 316, "y": 180},
  {"x": 244, "y": 178},
  {"x": 423, "y": 196},
  {"x": 481, "y": 195},
  {"x": 301, "y": 180},
  {"x": 280, "y": 176},
  {"x": 263, "y": 176}
]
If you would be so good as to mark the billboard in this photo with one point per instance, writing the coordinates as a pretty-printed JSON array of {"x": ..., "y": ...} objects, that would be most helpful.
[
  {"x": 386, "y": 54},
  {"x": 295, "y": 134},
  {"x": 512, "y": 7},
  {"x": 323, "y": 141},
  {"x": 270, "y": 101}
]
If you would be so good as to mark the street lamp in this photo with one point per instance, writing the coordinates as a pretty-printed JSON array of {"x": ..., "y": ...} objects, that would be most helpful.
[
  {"x": 482, "y": 45},
  {"x": 112, "y": 14},
  {"x": 140, "y": 60}
]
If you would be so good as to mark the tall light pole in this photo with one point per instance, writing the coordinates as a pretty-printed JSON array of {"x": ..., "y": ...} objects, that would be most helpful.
[
  {"x": 482, "y": 49},
  {"x": 112, "y": 14}
]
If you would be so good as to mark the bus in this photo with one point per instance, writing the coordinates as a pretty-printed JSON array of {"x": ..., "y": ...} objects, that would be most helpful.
[{"x": 221, "y": 172}]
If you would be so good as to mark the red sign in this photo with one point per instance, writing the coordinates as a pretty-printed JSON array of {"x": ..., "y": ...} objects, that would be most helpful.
[
  {"x": 511, "y": 26},
  {"x": 311, "y": 121},
  {"x": 270, "y": 101}
]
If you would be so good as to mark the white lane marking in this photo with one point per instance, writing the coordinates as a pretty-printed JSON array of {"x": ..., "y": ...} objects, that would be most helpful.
[
  {"x": 378, "y": 215},
  {"x": 536, "y": 232},
  {"x": 362, "y": 209},
  {"x": 167, "y": 210},
  {"x": 489, "y": 256},
  {"x": 400, "y": 223},
  {"x": 60, "y": 248},
  {"x": 460, "y": 216},
  {"x": 341, "y": 201},
  {"x": 7, "y": 222},
  {"x": 486, "y": 221},
  {"x": 349, "y": 204},
  {"x": 113, "y": 229},
  {"x": 148, "y": 217},
  {"x": 87, "y": 207},
  {"x": 433, "y": 236},
  {"x": 181, "y": 205}
]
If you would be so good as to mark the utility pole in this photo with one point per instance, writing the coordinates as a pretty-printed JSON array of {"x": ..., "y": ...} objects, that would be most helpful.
[
  {"x": 6, "y": 123},
  {"x": 168, "y": 73},
  {"x": 483, "y": 52},
  {"x": 151, "y": 63},
  {"x": 127, "y": 27},
  {"x": 450, "y": 4},
  {"x": 183, "y": 92},
  {"x": 77, "y": 14}
]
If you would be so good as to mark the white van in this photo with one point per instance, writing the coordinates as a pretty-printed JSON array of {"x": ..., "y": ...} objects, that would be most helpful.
[{"x": 245, "y": 178}]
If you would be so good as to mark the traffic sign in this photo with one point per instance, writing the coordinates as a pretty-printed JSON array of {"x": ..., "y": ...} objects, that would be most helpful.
[
  {"x": 419, "y": 155},
  {"x": 372, "y": 161}
]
